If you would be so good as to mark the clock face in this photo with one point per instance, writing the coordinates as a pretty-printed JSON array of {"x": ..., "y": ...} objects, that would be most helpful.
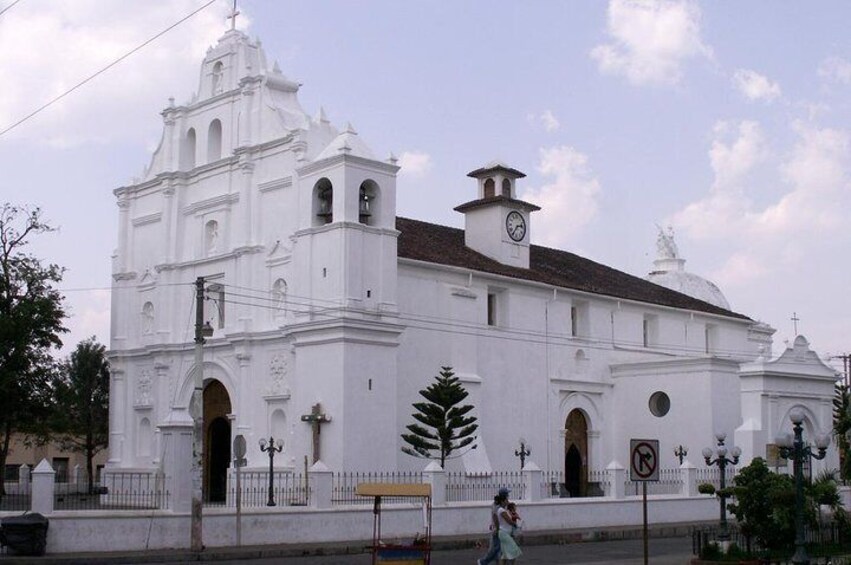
[{"x": 515, "y": 225}]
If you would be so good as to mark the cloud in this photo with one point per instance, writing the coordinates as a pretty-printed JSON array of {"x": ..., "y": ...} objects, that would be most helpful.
[
  {"x": 835, "y": 69},
  {"x": 414, "y": 163},
  {"x": 755, "y": 86},
  {"x": 569, "y": 202},
  {"x": 546, "y": 119},
  {"x": 51, "y": 46},
  {"x": 811, "y": 203},
  {"x": 90, "y": 316},
  {"x": 650, "y": 40}
]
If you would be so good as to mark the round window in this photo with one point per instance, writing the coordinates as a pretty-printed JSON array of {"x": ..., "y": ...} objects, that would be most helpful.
[{"x": 659, "y": 403}]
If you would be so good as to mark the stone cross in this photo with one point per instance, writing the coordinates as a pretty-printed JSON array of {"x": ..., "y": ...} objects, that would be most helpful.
[
  {"x": 232, "y": 17},
  {"x": 316, "y": 418},
  {"x": 795, "y": 319}
]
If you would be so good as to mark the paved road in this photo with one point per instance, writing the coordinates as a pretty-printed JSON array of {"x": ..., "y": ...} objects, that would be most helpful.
[{"x": 663, "y": 551}]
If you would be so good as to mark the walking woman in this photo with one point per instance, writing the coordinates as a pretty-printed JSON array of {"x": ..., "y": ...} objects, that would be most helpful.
[{"x": 508, "y": 545}]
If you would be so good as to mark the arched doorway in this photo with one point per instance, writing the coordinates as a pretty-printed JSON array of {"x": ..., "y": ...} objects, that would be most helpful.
[
  {"x": 217, "y": 441},
  {"x": 576, "y": 454}
]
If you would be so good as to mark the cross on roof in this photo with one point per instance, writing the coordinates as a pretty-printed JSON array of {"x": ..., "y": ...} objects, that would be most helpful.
[
  {"x": 232, "y": 17},
  {"x": 795, "y": 319}
]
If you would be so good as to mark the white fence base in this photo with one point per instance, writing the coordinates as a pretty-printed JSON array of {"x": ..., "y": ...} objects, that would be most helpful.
[{"x": 94, "y": 531}]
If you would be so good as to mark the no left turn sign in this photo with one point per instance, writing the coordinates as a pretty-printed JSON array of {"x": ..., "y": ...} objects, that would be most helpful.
[{"x": 644, "y": 460}]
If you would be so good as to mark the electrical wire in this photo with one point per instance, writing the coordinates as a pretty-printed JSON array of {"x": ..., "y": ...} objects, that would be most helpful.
[
  {"x": 103, "y": 70},
  {"x": 9, "y": 7}
]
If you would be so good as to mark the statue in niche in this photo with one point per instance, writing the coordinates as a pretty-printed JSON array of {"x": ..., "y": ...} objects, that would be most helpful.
[
  {"x": 144, "y": 386},
  {"x": 278, "y": 375},
  {"x": 279, "y": 297},
  {"x": 212, "y": 236},
  {"x": 148, "y": 318},
  {"x": 666, "y": 248}
]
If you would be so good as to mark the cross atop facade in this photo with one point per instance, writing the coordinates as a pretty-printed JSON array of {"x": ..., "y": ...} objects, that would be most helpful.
[
  {"x": 232, "y": 17},
  {"x": 795, "y": 319},
  {"x": 316, "y": 418}
]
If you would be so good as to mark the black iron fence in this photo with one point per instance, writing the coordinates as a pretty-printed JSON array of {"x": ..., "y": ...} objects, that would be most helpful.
[
  {"x": 826, "y": 540},
  {"x": 119, "y": 491}
]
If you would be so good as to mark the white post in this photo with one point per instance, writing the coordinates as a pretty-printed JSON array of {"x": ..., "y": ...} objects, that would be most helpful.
[
  {"x": 75, "y": 477},
  {"x": 688, "y": 475},
  {"x": 617, "y": 478},
  {"x": 322, "y": 480},
  {"x": 176, "y": 436},
  {"x": 532, "y": 477},
  {"x": 434, "y": 475},
  {"x": 24, "y": 479},
  {"x": 44, "y": 480}
]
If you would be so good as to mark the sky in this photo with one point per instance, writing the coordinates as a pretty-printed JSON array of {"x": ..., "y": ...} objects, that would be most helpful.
[{"x": 727, "y": 121}]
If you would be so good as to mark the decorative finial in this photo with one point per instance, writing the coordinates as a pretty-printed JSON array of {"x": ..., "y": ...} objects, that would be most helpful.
[
  {"x": 350, "y": 129},
  {"x": 321, "y": 117},
  {"x": 665, "y": 245},
  {"x": 276, "y": 68},
  {"x": 392, "y": 159},
  {"x": 795, "y": 319}
]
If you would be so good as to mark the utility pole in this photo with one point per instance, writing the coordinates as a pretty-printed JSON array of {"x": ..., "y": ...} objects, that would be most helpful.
[{"x": 196, "y": 410}]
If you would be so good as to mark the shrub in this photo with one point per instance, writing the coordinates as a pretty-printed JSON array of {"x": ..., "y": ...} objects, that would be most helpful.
[{"x": 706, "y": 488}]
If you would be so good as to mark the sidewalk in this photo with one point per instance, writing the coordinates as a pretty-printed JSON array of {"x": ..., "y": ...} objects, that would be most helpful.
[{"x": 248, "y": 553}]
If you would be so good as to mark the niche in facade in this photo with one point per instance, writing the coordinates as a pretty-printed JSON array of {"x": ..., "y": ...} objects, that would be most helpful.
[{"x": 187, "y": 151}]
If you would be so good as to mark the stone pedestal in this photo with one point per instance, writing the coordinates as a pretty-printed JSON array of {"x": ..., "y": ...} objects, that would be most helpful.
[
  {"x": 44, "y": 480},
  {"x": 434, "y": 475}
]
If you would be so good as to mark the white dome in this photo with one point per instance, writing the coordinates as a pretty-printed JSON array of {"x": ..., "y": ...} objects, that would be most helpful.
[
  {"x": 690, "y": 284},
  {"x": 669, "y": 271}
]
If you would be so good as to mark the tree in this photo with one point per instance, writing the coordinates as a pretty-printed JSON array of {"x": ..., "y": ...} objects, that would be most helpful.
[
  {"x": 841, "y": 427},
  {"x": 31, "y": 315},
  {"x": 81, "y": 394},
  {"x": 765, "y": 505},
  {"x": 444, "y": 427}
]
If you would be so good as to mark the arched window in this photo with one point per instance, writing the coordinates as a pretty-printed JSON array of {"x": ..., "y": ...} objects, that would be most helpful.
[
  {"x": 506, "y": 187},
  {"x": 214, "y": 141},
  {"x": 368, "y": 203},
  {"x": 148, "y": 318},
  {"x": 211, "y": 237},
  {"x": 187, "y": 153},
  {"x": 218, "y": 72},
  {"x": 489, "y": 188},
  {"x": 323, "y": 201}
]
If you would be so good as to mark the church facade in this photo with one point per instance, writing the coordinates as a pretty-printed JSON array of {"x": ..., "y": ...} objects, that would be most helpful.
[{"x": 329, "y": 313}]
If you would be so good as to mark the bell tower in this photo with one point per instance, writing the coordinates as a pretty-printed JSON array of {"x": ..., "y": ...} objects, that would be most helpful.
[
  {"x": 346, "y": 330},
  {"x": 496, "y": 224}
]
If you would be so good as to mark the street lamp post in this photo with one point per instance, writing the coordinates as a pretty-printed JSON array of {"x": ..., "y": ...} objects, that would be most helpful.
[
  {"x": 798, "y": 452},
  {"x": 722, "y": 461},
  {"x": 522, "y": 453},
  {"x": 272, "y": 449},
  {"x": 680, "y": 453}
]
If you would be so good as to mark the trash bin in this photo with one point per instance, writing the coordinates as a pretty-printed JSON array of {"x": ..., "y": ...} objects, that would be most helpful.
[{"x": 25, "y": 534}]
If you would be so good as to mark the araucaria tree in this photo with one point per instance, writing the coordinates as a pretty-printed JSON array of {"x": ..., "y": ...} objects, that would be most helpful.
[
  {"x": 31, "y": 315},
  {"x": 443, "y": 426},
  {"x": 81, "y": 395}
]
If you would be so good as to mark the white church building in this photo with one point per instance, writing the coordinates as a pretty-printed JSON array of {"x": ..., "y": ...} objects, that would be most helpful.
[{"x": 323, "y": 301}]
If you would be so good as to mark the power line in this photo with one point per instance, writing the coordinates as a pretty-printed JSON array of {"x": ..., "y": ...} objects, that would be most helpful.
[
  {"x": 9, "y": 7},
  {"x": 106, "y": 68}
]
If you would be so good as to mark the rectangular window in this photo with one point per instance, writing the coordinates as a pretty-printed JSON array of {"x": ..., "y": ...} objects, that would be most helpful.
[
  {"x": 60, "y": 467},
  {"x": 492, "y": 309},
  {"x": 709, "y": 338},
  {"x": 579, "y": 319},
  {"x": 11, "y": 473},
  {"x": 650, "y": 330}
]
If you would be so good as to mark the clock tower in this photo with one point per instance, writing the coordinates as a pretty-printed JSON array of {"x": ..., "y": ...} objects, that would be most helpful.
[{"x": 496, "y": 224}]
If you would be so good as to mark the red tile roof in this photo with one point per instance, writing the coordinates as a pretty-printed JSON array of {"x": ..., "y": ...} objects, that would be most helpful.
[{"x": 443, "y": 245}]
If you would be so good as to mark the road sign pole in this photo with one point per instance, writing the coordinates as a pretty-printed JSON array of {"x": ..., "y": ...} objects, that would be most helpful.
[{"x": 644, "y": 496}]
